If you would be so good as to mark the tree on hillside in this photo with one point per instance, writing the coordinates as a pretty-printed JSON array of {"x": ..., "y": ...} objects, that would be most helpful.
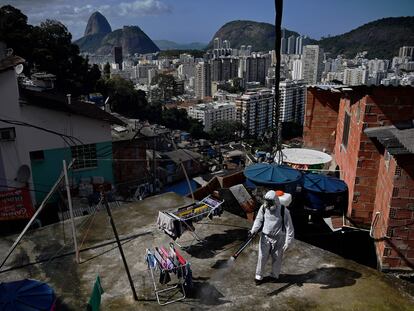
[
  {"x": 225, "y": 131},
  {"x": 49, "y": 48},
  {"x": 166, "y": 84}
]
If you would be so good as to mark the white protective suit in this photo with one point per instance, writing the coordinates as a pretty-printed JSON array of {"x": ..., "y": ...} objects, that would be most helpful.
[{"x": 273, "y": 240}]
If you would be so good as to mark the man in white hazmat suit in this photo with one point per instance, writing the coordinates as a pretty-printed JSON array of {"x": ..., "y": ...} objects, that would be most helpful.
[{"x": 276, "y": 236}]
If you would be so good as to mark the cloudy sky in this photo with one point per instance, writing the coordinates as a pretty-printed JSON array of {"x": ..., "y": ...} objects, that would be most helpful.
[{"x": 196, "y": 20}]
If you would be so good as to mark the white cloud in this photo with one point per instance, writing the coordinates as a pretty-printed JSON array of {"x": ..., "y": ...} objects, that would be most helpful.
[
  {"x": 75, "y": 13},
  {"x": 143, "y": 7}
]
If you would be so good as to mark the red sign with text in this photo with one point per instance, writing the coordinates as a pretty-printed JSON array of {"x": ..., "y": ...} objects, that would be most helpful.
[{"x": 15, "y": 204}]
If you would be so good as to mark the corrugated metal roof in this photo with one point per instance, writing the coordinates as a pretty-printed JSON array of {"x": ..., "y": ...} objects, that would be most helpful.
[{"x": 396, "y": 141}]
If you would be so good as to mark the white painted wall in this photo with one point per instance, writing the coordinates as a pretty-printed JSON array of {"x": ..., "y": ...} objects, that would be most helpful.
[{"x": 16, "y": 153}]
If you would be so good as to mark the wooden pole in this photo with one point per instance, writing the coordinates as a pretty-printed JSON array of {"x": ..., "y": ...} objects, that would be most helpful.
[{"x": 72, "y": 219}]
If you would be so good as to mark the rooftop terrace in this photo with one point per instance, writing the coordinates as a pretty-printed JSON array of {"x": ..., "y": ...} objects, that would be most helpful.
[{"x": 312, "y": 279}]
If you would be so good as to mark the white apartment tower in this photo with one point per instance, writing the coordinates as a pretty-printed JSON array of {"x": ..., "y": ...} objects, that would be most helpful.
[
  {"x": 292, "y": 101},
  {"x": 202, "y": 83},
  {"x": 312, "y": 64},
  {"x": 211, "y": 113},
  {"x": 355, "y": 76},
  {"x": 291, "y": 45},
  {"x": 255, "y": 111},
  {"x": 297, "y": 70}
]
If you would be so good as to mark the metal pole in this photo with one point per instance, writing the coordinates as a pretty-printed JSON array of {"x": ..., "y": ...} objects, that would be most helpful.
[
  {"x": 108, "y": 210},
  {"x": 69, "y": 197},
  {"x": 42, "y": 205},
  {"x": 278, "y": 39},
  {"x": 154, "y": 167}
]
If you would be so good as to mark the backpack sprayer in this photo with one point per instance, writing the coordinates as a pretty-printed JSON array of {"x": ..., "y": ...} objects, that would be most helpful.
[{"x": 243, "y": 247}]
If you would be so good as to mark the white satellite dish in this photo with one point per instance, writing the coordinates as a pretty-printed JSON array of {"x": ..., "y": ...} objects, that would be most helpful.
[
  {"x": 19, "y": 69},
  {"x": 23, "y": 174}
]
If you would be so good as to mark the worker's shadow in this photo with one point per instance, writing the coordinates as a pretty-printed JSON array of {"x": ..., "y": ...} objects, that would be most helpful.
[
  {"x": 327, "y": 277},
  {"x": 209, "y": 247}
]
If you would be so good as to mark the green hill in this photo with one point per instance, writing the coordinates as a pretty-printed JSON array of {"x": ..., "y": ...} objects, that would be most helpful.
[
  {"x": 381, "y": 38},
  {"x": 261, "y": 36}
]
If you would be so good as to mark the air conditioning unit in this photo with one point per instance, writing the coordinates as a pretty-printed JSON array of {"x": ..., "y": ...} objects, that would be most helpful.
[{"x": 7, "y": 134}]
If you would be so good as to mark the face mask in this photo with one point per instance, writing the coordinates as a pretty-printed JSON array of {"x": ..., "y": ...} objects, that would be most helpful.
[{"x": 269, "y": 204}]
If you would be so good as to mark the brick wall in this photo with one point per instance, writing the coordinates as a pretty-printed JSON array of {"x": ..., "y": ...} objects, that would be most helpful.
[
  {"x": 359, "y": 161},
  {"x": 321, "y": 115},
  {"x": 356, "y": 161},
  {"x": 130, "y": 171},
  {"x": 385, "y": 184},
  {"x": 396, "y": 251}
]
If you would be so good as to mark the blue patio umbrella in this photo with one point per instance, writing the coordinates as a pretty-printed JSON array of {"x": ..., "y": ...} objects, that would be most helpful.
[
  {"x": 272, "y": 175},
  {"x": 26, "y": 295}
]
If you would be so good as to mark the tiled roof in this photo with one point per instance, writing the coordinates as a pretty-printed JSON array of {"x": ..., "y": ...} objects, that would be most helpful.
[{"x": 58, "y": 102}]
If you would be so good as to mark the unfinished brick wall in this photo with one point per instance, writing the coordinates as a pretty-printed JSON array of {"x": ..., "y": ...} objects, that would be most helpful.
[
  {"x": 321, "y": 115},
  {"x": 396, "y": 251},
  {"x": 359, "y": 161},
  {"x": 385, "y": 184}
]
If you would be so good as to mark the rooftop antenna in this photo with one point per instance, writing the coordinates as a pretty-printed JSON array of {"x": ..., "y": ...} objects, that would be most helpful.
[{"x": 277, "y": 123}]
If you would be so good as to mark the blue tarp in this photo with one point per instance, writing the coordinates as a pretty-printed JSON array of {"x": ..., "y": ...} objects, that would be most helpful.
[
  {"x": 26, "y": 295},
  {"x": 272, "y": 174},
  {"x": 323, "y": 183},
  {"x": 180, "y": 188},
  {"x": 325, "y": 194}
]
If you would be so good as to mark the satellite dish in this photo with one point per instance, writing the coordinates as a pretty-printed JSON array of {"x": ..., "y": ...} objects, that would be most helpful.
[
  {"x": 19, "y": 69},
  {"x": 23, "y": 173}
]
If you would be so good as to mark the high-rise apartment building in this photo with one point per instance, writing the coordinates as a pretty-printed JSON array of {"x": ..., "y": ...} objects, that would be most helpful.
[
  {"x": 406, "y": 52},
  {"x": 224, "y": 68},
  {"x": 257, "y": 67},
  {"x": 312, "y": 64},
  {"x": 210, "y": 113},
  {"x": 297, "y": 71},
  {"x": 283, "y": 45},
  {"x": 254, "y": 110},
  {"x": 292, "y": 101},
  {"x": 117, "y": 54},
  {"x": 217, "y": 43},
  {"x": 355, "y": 76},
  {"x": 291, "y": 44},
  {"x": 202, "y": 83}
]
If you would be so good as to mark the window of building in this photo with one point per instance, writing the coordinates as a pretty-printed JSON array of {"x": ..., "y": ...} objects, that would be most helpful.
[
  {"x": 37, "y": 155},
  {"x": 7, "y": 134},
  {"x": 345, "y": 134},
  {"x": 85, "y": 156},
  {"x": 398, "y": 171}
]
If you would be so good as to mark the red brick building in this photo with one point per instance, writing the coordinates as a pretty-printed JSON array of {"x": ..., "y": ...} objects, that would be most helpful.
[
  {"x": 378, "y": 172},
  {"x": 321, "y": 117},
  {"x": 393, "y": 220}
]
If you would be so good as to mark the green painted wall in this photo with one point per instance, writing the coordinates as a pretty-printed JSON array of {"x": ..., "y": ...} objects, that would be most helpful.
[{"x": 46, "y": 172}]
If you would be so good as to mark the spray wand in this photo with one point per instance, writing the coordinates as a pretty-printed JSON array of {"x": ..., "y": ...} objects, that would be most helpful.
[{"x": 243, "y": 246}]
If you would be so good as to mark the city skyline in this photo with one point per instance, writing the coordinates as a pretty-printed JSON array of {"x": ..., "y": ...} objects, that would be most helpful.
[{"x": 162, "y": 19}]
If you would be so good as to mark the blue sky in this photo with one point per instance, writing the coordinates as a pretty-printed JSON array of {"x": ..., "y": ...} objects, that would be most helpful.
[{"x": 195, "y": 20}]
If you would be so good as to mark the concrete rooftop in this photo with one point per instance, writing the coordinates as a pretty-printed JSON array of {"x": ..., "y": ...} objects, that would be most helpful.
[{"x": 312, "y": 279}]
